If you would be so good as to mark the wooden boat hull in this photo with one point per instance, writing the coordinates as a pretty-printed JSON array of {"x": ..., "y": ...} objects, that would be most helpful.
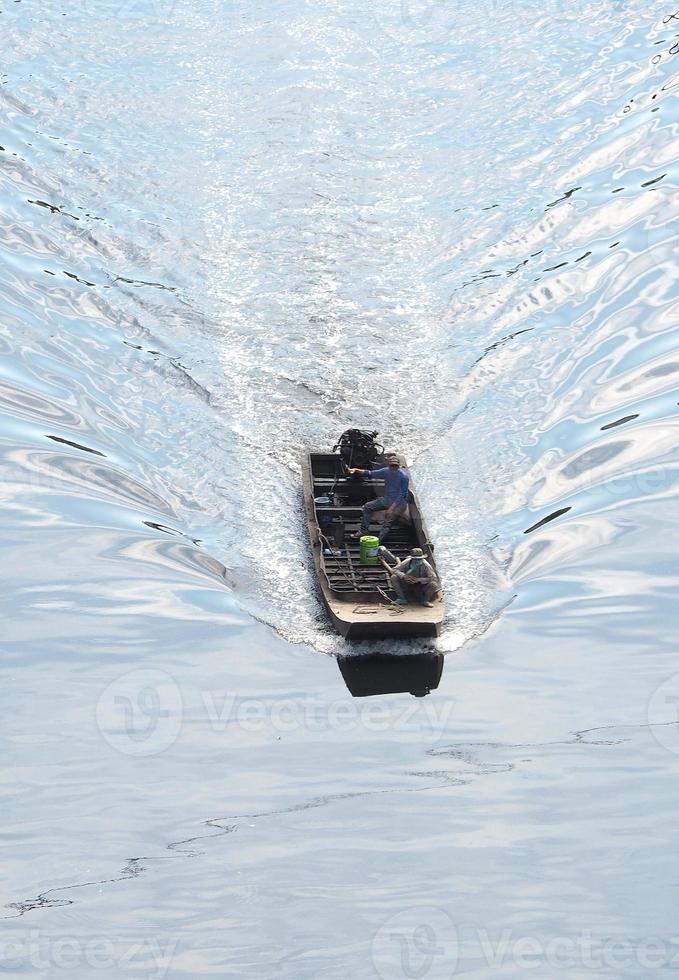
[
  {"x": 376, "y": 621},
  {"x": 358, "y": 598}
]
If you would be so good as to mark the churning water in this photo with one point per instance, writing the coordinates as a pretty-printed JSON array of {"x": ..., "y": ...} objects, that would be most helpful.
[{"x": 229, "y": 232}]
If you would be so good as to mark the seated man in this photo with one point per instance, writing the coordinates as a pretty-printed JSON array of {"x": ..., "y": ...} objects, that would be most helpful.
[
  {"x": 395, "y": 498},
  {"x": 412, "y": 579}
]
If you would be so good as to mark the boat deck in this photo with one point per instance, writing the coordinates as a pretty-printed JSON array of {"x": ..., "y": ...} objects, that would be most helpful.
[
  {"x": 343, "y": 567},
  {"x": 359, "y": 597},
  {"x": 340, "y": 557}
]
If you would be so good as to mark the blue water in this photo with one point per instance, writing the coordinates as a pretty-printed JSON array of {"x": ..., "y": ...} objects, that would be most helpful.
[{"x": 228, "y": 233}]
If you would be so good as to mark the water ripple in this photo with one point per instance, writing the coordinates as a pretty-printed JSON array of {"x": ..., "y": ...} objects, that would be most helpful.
[{"x": 228, "y": 234}]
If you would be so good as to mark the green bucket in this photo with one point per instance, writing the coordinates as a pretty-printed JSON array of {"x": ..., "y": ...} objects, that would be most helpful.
[{"x": 369, "y": 546}]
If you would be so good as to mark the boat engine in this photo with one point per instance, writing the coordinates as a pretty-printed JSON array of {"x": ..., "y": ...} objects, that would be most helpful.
[{"x": 358, "y": 448}]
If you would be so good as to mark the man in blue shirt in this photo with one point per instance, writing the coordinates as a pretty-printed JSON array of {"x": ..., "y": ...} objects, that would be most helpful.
[{"x": 395, "y": 498}]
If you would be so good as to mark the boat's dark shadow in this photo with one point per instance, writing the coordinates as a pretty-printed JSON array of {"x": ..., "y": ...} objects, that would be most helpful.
[{"x": 368, "y": 674}]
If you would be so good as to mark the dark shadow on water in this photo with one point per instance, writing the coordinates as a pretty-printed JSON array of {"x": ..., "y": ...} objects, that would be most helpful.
[
  {"x": 75, "y": 445},
  {"x": 368, "y": 674},
  {"x": 622, "y": 421},
  {"x": 546, "y": 520}
]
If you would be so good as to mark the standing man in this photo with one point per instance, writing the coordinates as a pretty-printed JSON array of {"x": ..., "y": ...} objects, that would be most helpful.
[{"x": 395, "y": 498}]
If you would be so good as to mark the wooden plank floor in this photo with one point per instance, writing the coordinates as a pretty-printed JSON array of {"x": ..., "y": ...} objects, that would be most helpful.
[{"x": 345, "y": 572}]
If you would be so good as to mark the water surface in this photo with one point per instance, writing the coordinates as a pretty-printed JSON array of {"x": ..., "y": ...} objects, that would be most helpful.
[{"x": 228, "y": 233}]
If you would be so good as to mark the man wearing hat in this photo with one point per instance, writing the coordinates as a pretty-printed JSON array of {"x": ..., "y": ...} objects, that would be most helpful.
[
  {"x": 393, "y": 502},
  {"x": 412, "y": 579}
]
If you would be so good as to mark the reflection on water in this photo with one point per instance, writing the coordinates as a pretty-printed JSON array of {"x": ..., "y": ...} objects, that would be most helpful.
[
  {"x": 368, "y": 674},
  {"x": 546, "y": 520},
  {"x": 230, "y": 233}
]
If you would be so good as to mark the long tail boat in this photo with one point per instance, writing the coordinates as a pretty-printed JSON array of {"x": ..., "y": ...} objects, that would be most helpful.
[{"x": 358, "y": 597}]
